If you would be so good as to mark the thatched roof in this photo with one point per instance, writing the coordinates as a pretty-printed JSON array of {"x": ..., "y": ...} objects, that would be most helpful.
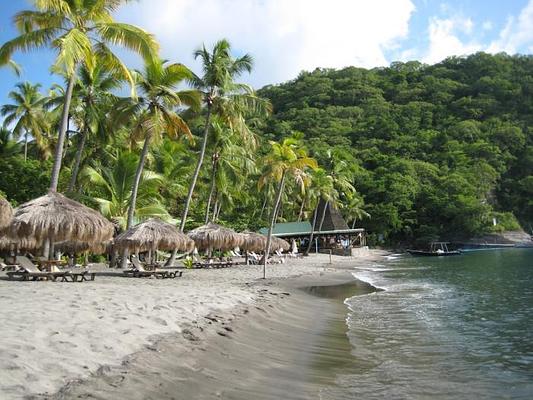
[
  {"x": 153, "y": 234},
  {"x": 213, "y": 236},
  {"x": 24, "y": 243},
  {"x": 60, "y": 218},
  {"x": 279, "y": 244},
  {"x": 333, "y": 220},
  {"x": 253, "y": 242},
  {"x": 6, "y": 213}
]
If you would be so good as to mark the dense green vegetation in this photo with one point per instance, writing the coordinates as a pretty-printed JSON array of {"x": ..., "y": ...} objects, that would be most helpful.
[
  {"x": 435, "y": 150},
  {"x": 409, "y": 152}
]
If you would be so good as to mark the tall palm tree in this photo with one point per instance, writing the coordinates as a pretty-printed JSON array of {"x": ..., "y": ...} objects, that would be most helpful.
[
  {"x": 109, "y": 187},
  {"x": 75, "y": 29},
  {"x": 232, "y": 161},
  {"x": 27, "y": 112},
  {"x": 224, "y": 97},
  {"x": 285, "y": 159},
  {"x": 93, "y": 90},
  {"x": 323, "y": 188},
  {"x": 154, "y": 111}
]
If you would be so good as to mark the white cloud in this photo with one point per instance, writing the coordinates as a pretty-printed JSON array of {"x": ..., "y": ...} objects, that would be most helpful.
[
  {"x": 517, "y": 32},
  {"x": 487, "y": 25},
  {"x": 444, "y": 40},
  {"x": 284, "y": 36}
]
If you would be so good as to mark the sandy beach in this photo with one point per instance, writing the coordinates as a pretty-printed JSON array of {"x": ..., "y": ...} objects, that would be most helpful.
[{"x": 60, "y": 340}]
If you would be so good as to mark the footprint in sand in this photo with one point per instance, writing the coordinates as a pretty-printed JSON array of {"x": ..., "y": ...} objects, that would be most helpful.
[{"x": 160, "y": 321}]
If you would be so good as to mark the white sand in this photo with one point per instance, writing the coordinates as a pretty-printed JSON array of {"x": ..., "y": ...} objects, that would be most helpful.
[{"x": 54, "y": 332}]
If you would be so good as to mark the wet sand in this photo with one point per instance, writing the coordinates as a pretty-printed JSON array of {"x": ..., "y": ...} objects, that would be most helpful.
[
  {"x": 209, "y": 332},
  {"x": 288, "y": 345}
]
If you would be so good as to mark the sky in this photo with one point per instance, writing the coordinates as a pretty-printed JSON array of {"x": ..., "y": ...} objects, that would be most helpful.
[{"x": 286, "y": 37}]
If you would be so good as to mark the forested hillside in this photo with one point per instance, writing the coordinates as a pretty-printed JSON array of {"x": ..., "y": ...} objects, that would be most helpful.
[{"x": 435, "y": 151}]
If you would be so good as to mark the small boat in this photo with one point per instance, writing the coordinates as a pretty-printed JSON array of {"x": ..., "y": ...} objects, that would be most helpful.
[{"x": 436, "y": 249}]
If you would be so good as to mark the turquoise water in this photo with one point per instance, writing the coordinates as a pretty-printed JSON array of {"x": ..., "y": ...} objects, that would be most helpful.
[{"x": 443, "y": 328}]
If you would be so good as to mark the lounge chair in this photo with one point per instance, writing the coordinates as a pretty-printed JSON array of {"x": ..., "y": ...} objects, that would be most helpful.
[
  {"x": 28, "y": 270},
  {"x": 138, "y": 271},
  {"x": 281, "y": 256}
]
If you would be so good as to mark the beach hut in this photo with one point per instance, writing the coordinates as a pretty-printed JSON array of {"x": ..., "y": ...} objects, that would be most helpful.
[
  {"x": 153, "y": 235},
  {"x": 212, "y": 236},
  {"x": 6, "y": 213},
  {"x": 57, "y": 218}
]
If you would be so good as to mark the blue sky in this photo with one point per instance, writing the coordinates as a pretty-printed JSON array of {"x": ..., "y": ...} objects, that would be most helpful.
[{"x": 288, "y": 36}]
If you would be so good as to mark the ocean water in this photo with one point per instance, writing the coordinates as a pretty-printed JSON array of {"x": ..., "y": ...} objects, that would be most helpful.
[{"x": 442, "y": 328}]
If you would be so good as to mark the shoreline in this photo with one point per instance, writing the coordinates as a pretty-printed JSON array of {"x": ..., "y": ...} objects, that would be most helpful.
[{"x": 232, "y": 297}]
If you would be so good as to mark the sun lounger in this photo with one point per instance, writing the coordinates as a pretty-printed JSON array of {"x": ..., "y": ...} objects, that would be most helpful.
[
  {"x": 29, "y": 271},
  {"x": 138, "y": 271},
  {"x": 79, "y": 276}
]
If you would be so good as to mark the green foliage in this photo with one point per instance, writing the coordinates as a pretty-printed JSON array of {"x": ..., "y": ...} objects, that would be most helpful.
[
  {"x": 505, "y": 221},
  {"x": 22, "y": 180},
  {"x": 433, "y": 151},
  {"x": 188, "y": 262}
]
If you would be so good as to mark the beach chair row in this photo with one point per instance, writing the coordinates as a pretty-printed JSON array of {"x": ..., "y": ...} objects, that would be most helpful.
[
  {"x": 26, "y": 270},
  {"x": 139, "y": 271}
]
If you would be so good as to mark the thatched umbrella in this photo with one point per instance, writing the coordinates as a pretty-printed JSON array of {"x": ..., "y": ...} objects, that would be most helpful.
[
  {"x": 58, "y": 218},
  {"x": 74, "y": 247},
  {"x": 254, "y": 241},
  {"x": 152, "y": 235},
  {"x": 6, "y": 213},
  {"x": 279, "y": 244},
  {"x": 213, "y": 236},
  {"x": 14, "y": 243}
]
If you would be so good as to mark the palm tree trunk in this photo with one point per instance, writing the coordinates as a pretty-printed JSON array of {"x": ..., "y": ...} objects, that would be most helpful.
[
  {"x": 278, "y": 212},
  {"x": 137, "y": 181},
  {"x": 193, "y": 181},
  {"x": 134, "y": 191},
  {"x": 61, "y": 136},
  {"x": 353, "y": 223},
  {"x": 272, "y": 221},
  {"x": 212, "y": 191},
  {"x": 306, "y": 253},
  {"x": 323, "y": 215},
  {"x": 217, "y": 214},
  {"x": 301, "y": 213},
  {"x": 196, "y": 173},
  {"x": 25, "y": 145},
  {"x": 264, "y": 206},
  {"x": 77, "y": 160}
]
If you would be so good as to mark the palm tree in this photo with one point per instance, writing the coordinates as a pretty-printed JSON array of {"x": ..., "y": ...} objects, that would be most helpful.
[
  {"x": 154, "y": 110},
  {"x": 93, "y": 92},
  {"x": 323, "y": 188},
  {"x": 8, "y": 146},
  {"x": 109, "y": 187},
  {"x": 232, "y": 162},
  {"x": 75, "y": 29},
  {"x": 287, "y": 158},
  {"x": 27, "y": 113},
  {"x": 354, "y": 209},
  {"x": 224, "y": 97}
]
